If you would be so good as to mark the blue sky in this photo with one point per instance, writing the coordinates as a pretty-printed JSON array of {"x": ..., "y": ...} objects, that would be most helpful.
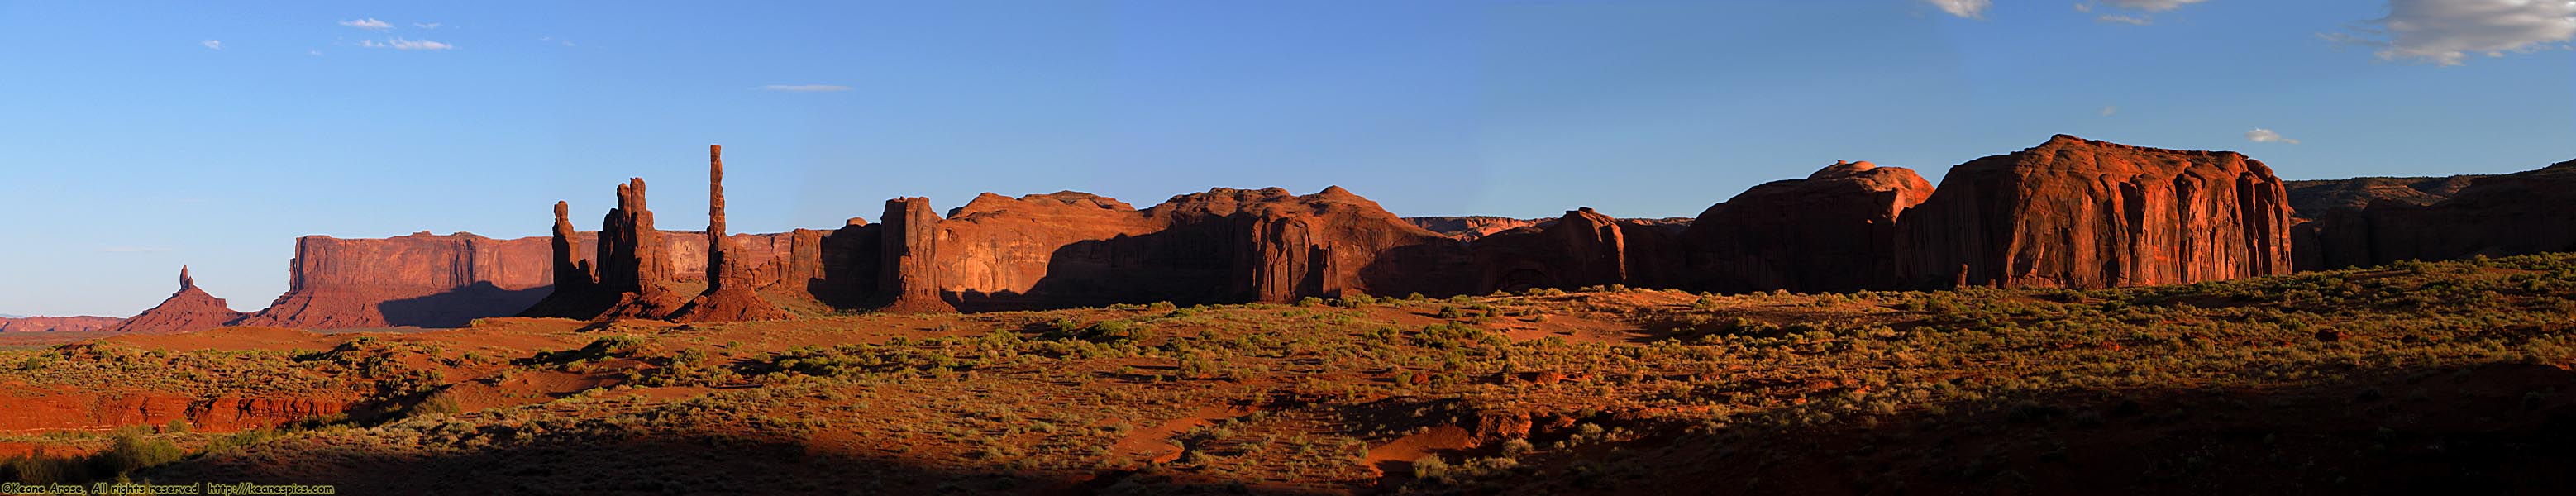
[{"x": 143, "y": 136}]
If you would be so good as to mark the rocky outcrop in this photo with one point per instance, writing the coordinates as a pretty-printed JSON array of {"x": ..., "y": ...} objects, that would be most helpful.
[
  {"x": 1057, "y": 249},
  {"x": 632, "y": 270},
  {"x": 909, "y": 279},
  {"x": 1583, "y": 248},
  {"x": 190, "y": 309},
  {"x": 419, "y": 280},
  {"x": 54, "y": 324},
  {"x": 2511, "y": 214},
  {"x": 2079, "y": 213},
  {"x": 1471, "y": 227},
  {"x": 1833, "y": 231},
  {"x": 2312, "y": 199},
  {"x": 729, "y": 296},
  {"x": 1225, "y": 245},
  {"x": 1328, "y": 244}
]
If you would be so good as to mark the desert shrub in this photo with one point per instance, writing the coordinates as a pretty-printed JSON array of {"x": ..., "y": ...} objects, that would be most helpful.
[
  {"x": 132, "y": 451},
  {"x": 1431, "y": 467}
]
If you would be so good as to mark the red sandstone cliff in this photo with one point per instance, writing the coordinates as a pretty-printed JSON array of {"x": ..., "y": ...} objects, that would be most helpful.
[
  {"x": 189, "y": 309},
  {"x": 2088, "y": 214},
  {"x": 1833, "y": 231},
  {"x": 910, "y": 277},
  {"x": 420, "y": 280}
]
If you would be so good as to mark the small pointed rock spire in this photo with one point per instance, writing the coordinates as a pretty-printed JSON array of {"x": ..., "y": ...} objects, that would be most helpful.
[{"x": 185, "y": 282}]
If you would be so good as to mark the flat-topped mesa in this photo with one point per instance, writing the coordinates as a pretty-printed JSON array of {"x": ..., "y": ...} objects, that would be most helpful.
[
  {"x": 909, "y": 277},
  {"x": 57, "y": 324},
  {"x": 1833, "y": 231},
  {"x": 2512, "y": 214},
  {"x": 729, "y": 295},
  {"x": 187, "y": 310},
  {"x": 2080, "y": 213},
  {"x": 1582, "y": 248},
  {"x": 421, "y": 280}
]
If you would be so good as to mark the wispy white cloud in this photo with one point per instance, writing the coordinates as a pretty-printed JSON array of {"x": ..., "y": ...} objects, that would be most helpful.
[
  {"x": 430, "y": 25},
  {"x": 1972, "y": 9},
  {"x": 2125, "y": 19},
  {"x": 2261, "y": 135},
  {"x": 368, "y": 23},
  {"x": 552, "y": 39},
  {"x": 213, "y": 44},
  {"x": 2447, "y": 32},
  {"x": 131, "y": 249},
  {"x": 2107, "y": 110},
  {"x": 2151, "y": 5},
  {"x": 400, "y": 43},
  {"x": 313, "y": 52},
  {"x": 804, "y": 87},
  {"x": 2132, "y": 12}
]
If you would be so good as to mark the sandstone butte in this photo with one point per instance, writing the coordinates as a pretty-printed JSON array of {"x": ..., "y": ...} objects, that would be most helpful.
[
  {"x": 2080, "y": 213},
  {"x": 2068, "y": 213},
  {"x": 2511, "y": 214},
  {"x": 1833, "y": 231},
  {"x": 189, "y": 309},
  {"x": 1582, "y": 248}
]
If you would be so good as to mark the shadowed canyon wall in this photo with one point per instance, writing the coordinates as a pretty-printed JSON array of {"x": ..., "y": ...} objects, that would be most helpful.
[{"x": 2511, "y": 214}]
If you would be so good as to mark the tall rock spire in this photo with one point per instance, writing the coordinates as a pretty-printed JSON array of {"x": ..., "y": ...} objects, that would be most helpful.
[
  {"x": 188, "y": 309},
  {"x": 729, "y": 295}
]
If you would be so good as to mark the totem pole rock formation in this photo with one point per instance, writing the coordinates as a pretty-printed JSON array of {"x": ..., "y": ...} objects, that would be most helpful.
[
  {"x": 1583, "y": 248},
  {"x": 2079, "y": 213},
  {"x": 190, "y": 309},
  {"x": 729, "y": 296},
  {"x": 1833, "y": 231},
  {"x": 631, "y": 267},
  {"x": 2512, "y": 214}
]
